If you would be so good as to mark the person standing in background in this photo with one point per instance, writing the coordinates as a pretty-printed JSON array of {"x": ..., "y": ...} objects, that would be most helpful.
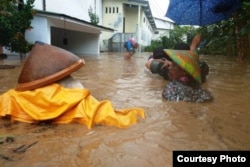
[{"x": 130, "y": 46}]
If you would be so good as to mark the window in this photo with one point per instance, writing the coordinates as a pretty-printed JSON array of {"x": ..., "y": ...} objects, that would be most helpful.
[{"x": 112, "y": 9}]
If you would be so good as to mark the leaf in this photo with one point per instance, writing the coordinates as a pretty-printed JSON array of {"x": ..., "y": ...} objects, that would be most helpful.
[{"x": 245, "y": 30}]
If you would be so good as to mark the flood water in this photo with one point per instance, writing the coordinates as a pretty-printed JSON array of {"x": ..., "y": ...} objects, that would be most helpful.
[{"x": 219, "y": 125}]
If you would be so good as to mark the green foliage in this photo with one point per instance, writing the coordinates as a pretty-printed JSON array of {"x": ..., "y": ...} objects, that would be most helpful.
[
  {"x": 15, "y": 19},
  {"x": 154, "y": 44},
  {"x": 225, "y": 37},
  {"x": 180, "y": 34},
  {"x": 94, "y": 19},
  {"x": 217, "y": 37},
  {"x": 244, "y": 18},
  {"x": 228, "y": 37}
]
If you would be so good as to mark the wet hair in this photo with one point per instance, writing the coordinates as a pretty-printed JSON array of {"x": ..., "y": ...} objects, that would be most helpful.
[
  {"x": 181, "y": 46},
  {"x": 135, "y": 45},
  {"x": 158, "y": 53}
]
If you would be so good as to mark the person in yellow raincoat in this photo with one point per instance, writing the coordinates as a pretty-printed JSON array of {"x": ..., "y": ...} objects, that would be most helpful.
[{"x": 46, "y": 91}]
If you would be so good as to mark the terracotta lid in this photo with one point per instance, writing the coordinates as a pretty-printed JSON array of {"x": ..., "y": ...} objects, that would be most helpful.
[{"x": 45, "y": 65}]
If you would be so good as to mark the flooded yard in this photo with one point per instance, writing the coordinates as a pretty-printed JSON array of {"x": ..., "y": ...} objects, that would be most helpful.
[{"x": 219, "y": 125}]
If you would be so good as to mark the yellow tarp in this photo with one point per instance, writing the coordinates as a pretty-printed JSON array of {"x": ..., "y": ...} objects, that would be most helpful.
[{"x": 64, "y": 105}]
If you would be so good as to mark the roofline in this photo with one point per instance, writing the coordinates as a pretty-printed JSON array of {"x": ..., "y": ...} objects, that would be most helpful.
[
  {"x": 73, "y": 19},
  {"x": 164, "y": 19}
]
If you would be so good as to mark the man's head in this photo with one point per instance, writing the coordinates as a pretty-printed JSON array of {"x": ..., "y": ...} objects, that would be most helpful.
[
  {"x": 136, "y": 45},
  {"x": 184, "y": 62},
  {"x": 181, "y": 46},
  {"x": 158, "y": 53}
]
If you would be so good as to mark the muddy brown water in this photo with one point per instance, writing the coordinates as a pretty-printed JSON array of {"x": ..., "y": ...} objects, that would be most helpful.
[{"x": 220, "y": 125}]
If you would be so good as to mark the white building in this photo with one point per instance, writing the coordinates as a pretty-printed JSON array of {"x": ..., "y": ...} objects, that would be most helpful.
[
  {"x": 66, "y": 24},
  {"x": 163, "y": 24},
  {"x": 129, "y": 18}
]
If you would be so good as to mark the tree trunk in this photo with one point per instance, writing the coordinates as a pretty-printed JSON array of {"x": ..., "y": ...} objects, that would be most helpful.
[
  {"x": 242, "y": 43},
  {"x": 242, "y": 47}
]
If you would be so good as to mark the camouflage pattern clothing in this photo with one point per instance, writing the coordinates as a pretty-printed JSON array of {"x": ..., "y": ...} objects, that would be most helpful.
[{"x": 177, "y": 91}]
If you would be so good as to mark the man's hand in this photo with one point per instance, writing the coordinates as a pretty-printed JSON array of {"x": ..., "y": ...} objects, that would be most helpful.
[{"x": 166, "y": 64}]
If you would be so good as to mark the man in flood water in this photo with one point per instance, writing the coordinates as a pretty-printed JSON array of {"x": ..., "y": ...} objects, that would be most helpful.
[
  {"x": 157, "y": 65},
  {"x": 185, "y": 75},
  {"x": 184, "y": 70}
]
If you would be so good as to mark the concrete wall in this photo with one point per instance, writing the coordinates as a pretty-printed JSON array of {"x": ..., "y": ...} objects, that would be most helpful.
[
  {"x": 77, "y": 42},
  {"x": 40, "y": 30},
  {"x": 146, "y": 30},
  {"x": 112, "y": 14},
  {"x": 163, "y": 27},
  {"x": 74, "y": 8},
  {"x": 128, "y": 19},
  {"x": 131, "y": 19}
]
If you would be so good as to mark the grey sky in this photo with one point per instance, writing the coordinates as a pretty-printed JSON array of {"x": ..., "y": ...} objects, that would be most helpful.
[{"x": 159, "y": 7}]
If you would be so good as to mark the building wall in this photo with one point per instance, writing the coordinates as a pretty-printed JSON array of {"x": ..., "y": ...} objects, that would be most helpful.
[
  {"x": 146, "y": 30},
  {"x": 44, "y": 31},
  {"x": 39, "y": 24},
  {"x": 163, "y": 27},
  {"x": 74, "y": 8},
  {"x": 112, "y": 14},
  {"x": 131, "y": 19},
  {"x": 79, "y": 43},
  {"x": 112, "y": 17},
  {"x": 126, "y": 19}
]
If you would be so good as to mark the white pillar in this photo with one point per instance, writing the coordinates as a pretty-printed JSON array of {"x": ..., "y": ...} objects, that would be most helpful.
[{"x": 139, "y": 28}]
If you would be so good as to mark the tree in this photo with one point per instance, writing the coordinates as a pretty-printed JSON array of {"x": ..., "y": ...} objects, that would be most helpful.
[
  {"x": 15, "y": 19},
  {"x": 243, "y": 31},
  {"x": 180, "y": 34},
  {"x": 94, "y": 19},
  {"x": 230, "y": 37}
]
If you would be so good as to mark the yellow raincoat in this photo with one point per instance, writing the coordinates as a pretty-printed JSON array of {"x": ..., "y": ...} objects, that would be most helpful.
[{"x": 64, "y": 105}]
